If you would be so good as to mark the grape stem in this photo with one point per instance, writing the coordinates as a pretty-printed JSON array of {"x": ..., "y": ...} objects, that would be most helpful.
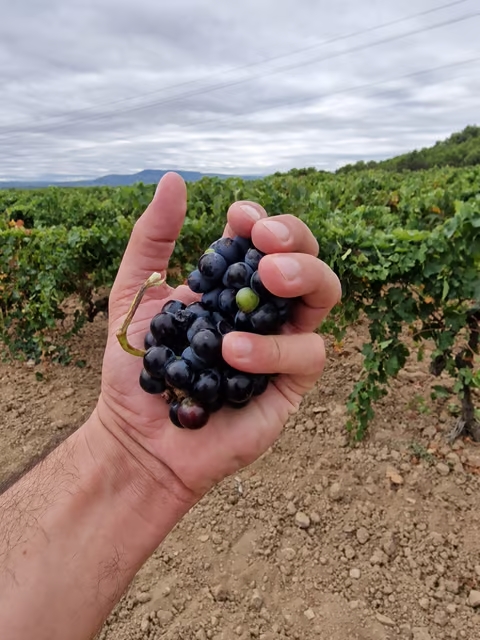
[
  {"x": 173, "y": 395},
  {"x": 155, "y": 280}
]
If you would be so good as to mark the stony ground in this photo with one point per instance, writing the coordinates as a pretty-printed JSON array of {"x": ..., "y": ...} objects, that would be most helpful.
[{"x": 317, "y": 539}]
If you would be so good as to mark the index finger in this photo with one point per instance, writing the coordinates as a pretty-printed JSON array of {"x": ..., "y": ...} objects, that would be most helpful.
[
  {"x": 270, "y": 234},
  {"x": 241, "y": 217}
]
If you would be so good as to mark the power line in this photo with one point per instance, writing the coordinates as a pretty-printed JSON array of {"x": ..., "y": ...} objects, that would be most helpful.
[
  {"x": 45, "y": 128},
  {"x": 345, "y": 90},
  {"x": 281, "y": 56},
  {"x": 289, "y": 67},
  {"x": 337, "y": 92},
  {"x": 295, "y": 51}
]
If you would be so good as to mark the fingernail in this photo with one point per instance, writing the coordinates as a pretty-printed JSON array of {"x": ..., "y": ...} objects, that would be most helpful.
[
  {"x": 242, "y": 347},
  {"x": 278, "y": 229},
  {"x": 289, "y": 267},
  {"x": 251, "y": 212}
]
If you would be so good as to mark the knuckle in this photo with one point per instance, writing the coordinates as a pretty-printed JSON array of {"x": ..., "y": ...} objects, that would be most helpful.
[{"x": 275, "y": 353}]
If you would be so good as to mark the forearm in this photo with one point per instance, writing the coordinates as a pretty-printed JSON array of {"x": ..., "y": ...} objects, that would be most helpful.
[{"x": 73, "y": 533}]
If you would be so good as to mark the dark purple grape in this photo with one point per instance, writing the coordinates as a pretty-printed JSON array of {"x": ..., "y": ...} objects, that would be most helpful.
[
  {"x": 243, "y": 243},
  {"x": 207, "y": 386},
  {"x": 164, "y": 329},
  {"x": 216, "y": 317},
  {"x": 172, "y": 306},
  {"x": 200, "y": 324},
  {"x": 237, "y": 387},
  {"x": 242, "y": 322},
  {"x": 207, "y": 345},
  {"x": 253, "y": 257},
  {"x": 151, "y": 385},
  {"x": 210, "y": 299},
  {"x": 257, "y": 285},
  {"x": 238, "y": 405},
  {"x": 223, "y": 327},
  {"x": 260, "y": 383},
  {"x": 149, "y": 341},
  {"x": 173, "y": 414},
  {"x": 265, "y": 319},
  {"x": 284, "y": 306},
  {"x": 198, "y": 309},
  {"x": 285, "y": 314},
  {"x": 196, "y": 363},
  {"x": 237, "y": 276},
  {"x": 179, "y": 374},
  {"x": 228, "y": 249},
  {"x": 216, "y": 405},
  {"x": 227, "y": 302},
  {"x": 155, "y": 359},
  {"x": 192, "y": 415},
  {"x": 184, "y": 319},
  {"x": 198, "y": 283},
  {"x": 212, "y": 266}
]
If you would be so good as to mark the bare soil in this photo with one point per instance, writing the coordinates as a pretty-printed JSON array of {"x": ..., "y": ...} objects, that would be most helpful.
[{"x": 317, "y": 539}]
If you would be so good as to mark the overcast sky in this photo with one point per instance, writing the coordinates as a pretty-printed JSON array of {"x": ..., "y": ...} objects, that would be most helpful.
[{"x": 90, "y": 87}]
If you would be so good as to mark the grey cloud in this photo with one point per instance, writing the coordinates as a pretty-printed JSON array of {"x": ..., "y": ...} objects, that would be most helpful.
[{"x": 97, "y": 86}]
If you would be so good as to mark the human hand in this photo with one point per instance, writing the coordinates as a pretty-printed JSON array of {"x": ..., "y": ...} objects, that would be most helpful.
[{"x": 195, "y": 460}]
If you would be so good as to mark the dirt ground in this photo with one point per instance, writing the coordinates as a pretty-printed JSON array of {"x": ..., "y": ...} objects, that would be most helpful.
[{"x": 315, "y": 540}]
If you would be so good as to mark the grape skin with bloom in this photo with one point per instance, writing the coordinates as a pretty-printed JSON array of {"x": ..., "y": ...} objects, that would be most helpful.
[{"x": 184, "y": 342}]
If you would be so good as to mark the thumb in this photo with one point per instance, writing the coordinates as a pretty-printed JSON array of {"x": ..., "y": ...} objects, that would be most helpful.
[{"x": 152, "y": 240}]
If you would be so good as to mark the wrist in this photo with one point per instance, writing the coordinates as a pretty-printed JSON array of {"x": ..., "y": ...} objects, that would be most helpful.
[
  {"x": 140, "y": 484},
  {"x": 77, "y": 528}
]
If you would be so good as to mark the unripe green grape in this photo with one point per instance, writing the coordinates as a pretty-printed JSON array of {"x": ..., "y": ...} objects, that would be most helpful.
[{"x": 247, "y": 300}]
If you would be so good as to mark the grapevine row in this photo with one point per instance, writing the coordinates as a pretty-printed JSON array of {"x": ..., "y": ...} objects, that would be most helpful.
[{"x": 406, "y": 248}]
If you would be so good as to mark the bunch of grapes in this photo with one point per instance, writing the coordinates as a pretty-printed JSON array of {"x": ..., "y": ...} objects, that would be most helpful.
[{"x": 183, "y": 358}]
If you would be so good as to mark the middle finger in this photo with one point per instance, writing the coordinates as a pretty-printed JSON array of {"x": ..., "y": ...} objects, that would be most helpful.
[{"x": 297, "y": 275}]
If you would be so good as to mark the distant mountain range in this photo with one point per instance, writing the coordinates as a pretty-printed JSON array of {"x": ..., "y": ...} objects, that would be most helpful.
[{"x": 148, "y": 176}]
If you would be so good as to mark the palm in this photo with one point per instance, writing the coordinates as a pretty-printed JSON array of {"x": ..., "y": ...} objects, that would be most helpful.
[{"x": 231, "y": 439}]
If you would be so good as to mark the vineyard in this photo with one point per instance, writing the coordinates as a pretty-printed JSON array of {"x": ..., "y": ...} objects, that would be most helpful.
[{"x": 405, "y": 246}]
